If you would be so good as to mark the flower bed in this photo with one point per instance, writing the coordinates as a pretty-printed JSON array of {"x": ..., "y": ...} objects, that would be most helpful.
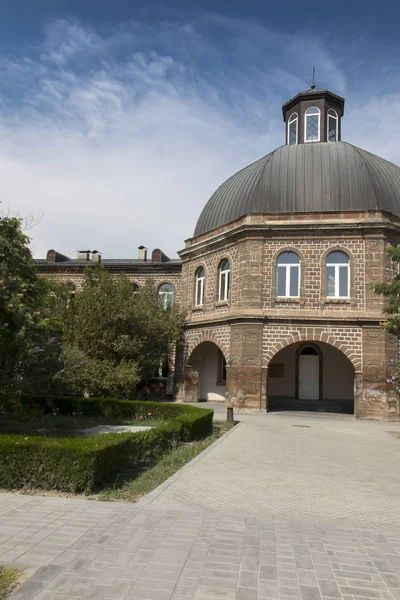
[{"x": 86, "y": 464}]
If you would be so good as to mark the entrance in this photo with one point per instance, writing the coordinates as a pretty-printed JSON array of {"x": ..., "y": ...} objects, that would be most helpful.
[{"x": 309, "y": 374}]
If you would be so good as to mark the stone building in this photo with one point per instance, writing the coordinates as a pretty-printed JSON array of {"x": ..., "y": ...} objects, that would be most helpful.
[{"x": 276, "y": 280}]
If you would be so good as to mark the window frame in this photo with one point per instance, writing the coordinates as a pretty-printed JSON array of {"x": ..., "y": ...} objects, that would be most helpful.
[
  {"x": 288, "y": 268},
  {"x": 199, "y": 282},
  {"x": 221, "y": 369},
  {"x": 337, "y": 266},
  {"x": 336, "y": 117},
  {"x": 294, "y": 117},
  {"x": 306, "y": 116},
  {"x": 226, "y": 275},
  {"x": 165, "y": 304}
]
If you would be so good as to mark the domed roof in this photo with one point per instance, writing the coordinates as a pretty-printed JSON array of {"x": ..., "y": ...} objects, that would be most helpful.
[{"x": 306, "y": 178}]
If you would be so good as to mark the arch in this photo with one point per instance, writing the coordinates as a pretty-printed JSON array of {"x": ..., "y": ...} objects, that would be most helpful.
[
  {"x": 72, "y": 287},
  {"x": 345, "y": 250},
  {"x": 224, "y": 279},
  {"x": 315, "y": 335},
  {"x": 332, "y": 126},
  {"x": 293, "y": 129},
  {"x": 311, "y": 376},
  {"x": 165, "y": 283},
  {"x": 197, "y": 269},
  {"x": 274, "y": 262},
  {"x": 206, "y": 336},
  {"x": 312, "y": 124},
  {"x": 205, "y": 374}
]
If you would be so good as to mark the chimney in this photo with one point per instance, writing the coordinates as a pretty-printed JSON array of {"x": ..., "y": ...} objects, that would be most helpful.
[
  {"x": 96, "y": 256},
  {"x": 83, "y": 254},
  {"x": 142, "y": 254}
]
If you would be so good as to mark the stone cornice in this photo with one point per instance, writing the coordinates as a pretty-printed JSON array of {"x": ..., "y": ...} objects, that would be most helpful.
[{"x": 355, "y": 225}]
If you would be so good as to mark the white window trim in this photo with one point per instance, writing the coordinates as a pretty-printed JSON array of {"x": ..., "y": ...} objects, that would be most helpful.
[
  {"x": 223, "y": 294},
  {"x": 288, "y": 267},
  {"x": 200, "y": 283},
  {"x": 337, "y": 266},
  {"x": 291, "y": 119},
  {"x": 164, "y": 296},
  {"x": 335, "y": 116},
  {"x": 305, "y": 124}
]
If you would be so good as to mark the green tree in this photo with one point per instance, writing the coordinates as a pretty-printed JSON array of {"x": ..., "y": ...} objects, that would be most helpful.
[
  {"x": 28, "y": 317},
  {"x": 115, "y": 338},
  {"x": 391, "y": 293}
]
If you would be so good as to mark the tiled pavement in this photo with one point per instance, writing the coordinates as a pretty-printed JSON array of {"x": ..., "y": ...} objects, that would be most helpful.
[{"x": 218, "y": 546}]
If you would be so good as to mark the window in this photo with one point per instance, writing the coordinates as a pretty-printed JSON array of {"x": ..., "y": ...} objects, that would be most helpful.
[
  {"x": 221, "y": 377},
  {"x": 311, "y": 133},
  {"x": 288, "y": 275},
  {"x": 200, "y": 279},
  {"x": 337, "y": 275},
  {"x": 71, "y": 287},
  {"x": 292, "y": 130},
  {"x": 166, "y": 295},
  {"x": 333, "y": 125},
  {"x": 224, "y": 280},
  {"x": 135, "y": 288}
]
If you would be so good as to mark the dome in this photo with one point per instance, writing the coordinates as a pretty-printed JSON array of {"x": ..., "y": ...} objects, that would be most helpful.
[{"x": 306, "y": 178}]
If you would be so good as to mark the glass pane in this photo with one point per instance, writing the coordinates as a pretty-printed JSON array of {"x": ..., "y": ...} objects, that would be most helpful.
[
  {"x": 294, "y": 281},
  {"x": 222, "y": 291},
  {"x": 343, "y": 282},
  {"x": 312, "y": 111},
  {"x": 293, "y": 133},
  {"x": 332, "y": 129},
  {"x": 224, "y": 266},
  {"x": 312, "y": 127},
  {"x": 337, "y": 258},
  {"x": 200, "y": 272},
  {"x": 199, "y": 295},
  {"x": 288, "y": 258},
  {"x": 330, "y": 281},
  {"x": 228, "y": 284},
  {"x": 281, "y": 281}
]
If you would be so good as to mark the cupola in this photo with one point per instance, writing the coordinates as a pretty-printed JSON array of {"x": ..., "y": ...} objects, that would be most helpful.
[{"x": 313, "y": 116}]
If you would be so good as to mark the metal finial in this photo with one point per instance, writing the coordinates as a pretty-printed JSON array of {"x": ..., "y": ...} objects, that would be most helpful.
[{"x": 313, "y": 79}]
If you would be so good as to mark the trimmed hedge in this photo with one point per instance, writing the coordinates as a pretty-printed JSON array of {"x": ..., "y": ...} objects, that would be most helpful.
[{"x": 85, "y": 464}]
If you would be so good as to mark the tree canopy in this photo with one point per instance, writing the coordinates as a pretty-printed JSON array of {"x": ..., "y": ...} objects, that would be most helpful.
[
  {"x": 391, "y": 293},
  {"x": 115, "y": 335}
]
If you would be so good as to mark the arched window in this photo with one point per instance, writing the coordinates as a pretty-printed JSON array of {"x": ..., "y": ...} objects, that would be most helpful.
[
  {"x": 200, "y": 280},
  {"x": 224, "y": 280},
  {"x": 333, "y": 125},
  {"x": 288, "y": 275},
  {"x": 311, "y": 125},
  {"x": 337, "y": 275},
  {"x": 135, "y": 288},
  {"x": 292, "y": 130},
  {"x": 166, "y": 295},
  {"x": 71, "y": 287}
]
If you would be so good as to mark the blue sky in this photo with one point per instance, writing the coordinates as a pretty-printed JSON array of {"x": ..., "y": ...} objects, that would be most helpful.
[{"x": 119, "y": 119}]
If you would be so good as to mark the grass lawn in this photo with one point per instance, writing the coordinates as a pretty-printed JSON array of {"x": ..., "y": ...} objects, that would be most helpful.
[
  {"x": 148, "y": 480},
  {"x": 8, "y": 579},
  {"x": 60, "y": 425}
]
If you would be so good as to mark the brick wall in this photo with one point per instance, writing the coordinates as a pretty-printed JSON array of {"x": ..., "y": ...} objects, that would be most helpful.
[{"x": 347, "y": 339}]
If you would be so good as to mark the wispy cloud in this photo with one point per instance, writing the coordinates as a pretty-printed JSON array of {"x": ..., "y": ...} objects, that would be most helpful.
[{"x": 121, "y": 138}]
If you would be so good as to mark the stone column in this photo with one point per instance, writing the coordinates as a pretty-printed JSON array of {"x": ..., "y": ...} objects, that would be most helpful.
[
  {"x": 378, "y": 398},
  {"x": 246, "y": 385}
]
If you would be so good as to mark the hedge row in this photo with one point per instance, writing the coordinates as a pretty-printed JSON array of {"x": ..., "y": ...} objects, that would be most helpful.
[{"x": 86, "y": 464}]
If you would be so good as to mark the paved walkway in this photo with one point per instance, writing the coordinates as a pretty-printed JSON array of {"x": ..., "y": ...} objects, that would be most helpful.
[{"x": 287, "y": 506}]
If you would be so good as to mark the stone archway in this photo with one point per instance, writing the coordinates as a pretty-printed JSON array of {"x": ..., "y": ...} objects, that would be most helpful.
[
  {"x": 311, "y": 376},
  {"x": 204, "y": 374}
]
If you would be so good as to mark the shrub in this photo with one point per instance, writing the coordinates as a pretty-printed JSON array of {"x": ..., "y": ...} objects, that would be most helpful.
[{"x": 84, "y": 464}]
